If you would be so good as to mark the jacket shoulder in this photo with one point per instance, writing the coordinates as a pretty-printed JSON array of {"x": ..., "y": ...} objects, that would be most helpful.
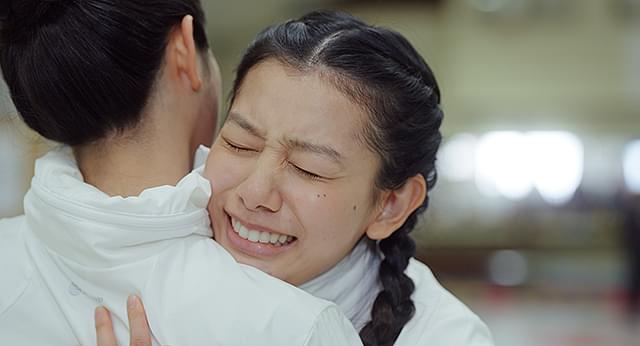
[
  {"x": 228, "y": 303},
  {"x": 441, "y": 318},
  {"x": 11, "y": 234},
  {"x": 17, "y": 269}
]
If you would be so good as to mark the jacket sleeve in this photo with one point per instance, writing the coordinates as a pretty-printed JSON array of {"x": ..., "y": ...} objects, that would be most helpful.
[{"x": 457, "y": 330}]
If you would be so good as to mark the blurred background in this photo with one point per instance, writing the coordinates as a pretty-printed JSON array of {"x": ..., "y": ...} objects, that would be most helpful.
[{"x": 535, "y": 220}]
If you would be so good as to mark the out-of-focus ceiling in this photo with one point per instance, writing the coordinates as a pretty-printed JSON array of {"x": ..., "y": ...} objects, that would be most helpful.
[
  {"x": 501, "y": 64},
  {"x": 566, "y": 64}
]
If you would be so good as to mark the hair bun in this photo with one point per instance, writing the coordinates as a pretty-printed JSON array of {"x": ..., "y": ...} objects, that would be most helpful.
[
  {"x": 5, "y": 10},
  {"x": 20, "y": 14}
]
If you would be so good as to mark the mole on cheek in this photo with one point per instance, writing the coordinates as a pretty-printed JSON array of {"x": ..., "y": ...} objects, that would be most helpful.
[{"x": 354, "y": 208}]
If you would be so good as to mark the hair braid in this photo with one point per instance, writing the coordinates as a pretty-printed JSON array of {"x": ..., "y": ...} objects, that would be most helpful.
[{"x": 393, "y": 306}]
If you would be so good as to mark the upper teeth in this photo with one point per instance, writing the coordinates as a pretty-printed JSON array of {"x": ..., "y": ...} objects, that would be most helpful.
[{"x": 258, "y": 236}]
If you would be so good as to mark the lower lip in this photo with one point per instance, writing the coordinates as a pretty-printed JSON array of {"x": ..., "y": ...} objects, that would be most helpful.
[{"x": 255, "y": 249}]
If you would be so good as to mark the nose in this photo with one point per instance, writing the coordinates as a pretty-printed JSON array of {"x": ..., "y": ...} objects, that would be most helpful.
[{"x": 259, "y": 190}]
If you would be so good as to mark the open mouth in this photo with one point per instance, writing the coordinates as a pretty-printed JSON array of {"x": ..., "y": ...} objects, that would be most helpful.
[{"x": 262, "y": 237}]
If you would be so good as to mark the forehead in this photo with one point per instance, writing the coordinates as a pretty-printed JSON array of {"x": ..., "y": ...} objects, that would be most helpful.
[{"x": 283, "y": 100}]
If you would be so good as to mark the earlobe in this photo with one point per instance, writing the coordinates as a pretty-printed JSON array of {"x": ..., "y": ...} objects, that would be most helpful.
[
  {"x": 397, "y": 206},
  {"x": 187, "y": 53}
]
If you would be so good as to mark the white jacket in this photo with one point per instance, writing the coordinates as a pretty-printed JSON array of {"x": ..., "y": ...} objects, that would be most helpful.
[
  {"x": 76, "y": 248},
  {"x": 440, "y": 318}
]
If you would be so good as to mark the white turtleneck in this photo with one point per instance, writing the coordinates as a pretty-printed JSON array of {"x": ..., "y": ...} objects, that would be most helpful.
[
  {"x": 76, "y": 248},
  {"x": 439, "y": 319},
  {"x": 352, "y": 283}
]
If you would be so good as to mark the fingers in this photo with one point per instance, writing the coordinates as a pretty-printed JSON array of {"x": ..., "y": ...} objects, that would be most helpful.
[
  {"x": 104, "y": 328},
  {"x": 138, "y": 325}
]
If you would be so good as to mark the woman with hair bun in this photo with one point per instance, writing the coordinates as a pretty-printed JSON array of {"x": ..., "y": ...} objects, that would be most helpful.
[{"x": 130, "y": 90}]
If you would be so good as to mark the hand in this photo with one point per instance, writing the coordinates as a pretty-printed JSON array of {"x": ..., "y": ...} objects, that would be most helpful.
[{"x": 138, "y": 325}]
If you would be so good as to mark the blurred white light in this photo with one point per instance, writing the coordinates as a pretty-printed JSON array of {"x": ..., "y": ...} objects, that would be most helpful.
[
  {"x": 602, "y": 167},
  {"x": 456, "y": 160},
  {"x": 557, "y": 164},
  {"x": 512, "y": 163},
  {"x": 502, "y": 165},
  {"x": 508, "y": 268},
  {"x": 631, "y": 166}
]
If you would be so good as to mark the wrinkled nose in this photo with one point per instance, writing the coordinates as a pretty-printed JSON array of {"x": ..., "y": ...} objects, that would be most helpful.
[{"x": 259, "y": 191}]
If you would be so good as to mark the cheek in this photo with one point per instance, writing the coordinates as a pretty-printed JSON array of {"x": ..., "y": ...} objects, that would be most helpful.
[
  {"x": 331, "y": 230},
  {"x": 327, "y": 215},
  {"x": 223, "y": 171},
  {"x": 224, "y": 174}
]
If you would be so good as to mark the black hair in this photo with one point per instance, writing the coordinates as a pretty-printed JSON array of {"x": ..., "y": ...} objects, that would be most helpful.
[
  {"x": 378, "y": 69},
  {"x": 79, "y": 70}
]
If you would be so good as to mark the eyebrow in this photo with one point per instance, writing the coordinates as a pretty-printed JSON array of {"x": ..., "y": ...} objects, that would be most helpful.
[
  {"x": 324, "y": 150},
  {"x": 245, "y": 124},
  {"x": 292, "y": 143}
]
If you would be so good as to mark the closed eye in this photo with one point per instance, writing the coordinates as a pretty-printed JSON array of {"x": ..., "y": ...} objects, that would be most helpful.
[
  {"x": 235, "y": 147},
  {"x": 306, "y": 173}
]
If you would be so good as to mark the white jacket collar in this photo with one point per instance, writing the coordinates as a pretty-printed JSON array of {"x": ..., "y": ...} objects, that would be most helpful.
[
  {"x": 84, "y": 225},
  {"x": 352, "y": 284}
]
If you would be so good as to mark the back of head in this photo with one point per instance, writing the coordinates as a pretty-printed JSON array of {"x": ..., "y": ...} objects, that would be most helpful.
[
  {"x": 80, "y": 70},
  {"x": 378, "y": 69}
]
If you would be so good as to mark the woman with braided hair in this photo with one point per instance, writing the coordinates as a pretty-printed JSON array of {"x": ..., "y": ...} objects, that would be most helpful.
[{"x": 322, "y": 168}]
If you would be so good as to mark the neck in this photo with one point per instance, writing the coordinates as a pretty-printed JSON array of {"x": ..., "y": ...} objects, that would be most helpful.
[
  {"x": 352, "y": 283},
  {"x": 127, "y": 165}
]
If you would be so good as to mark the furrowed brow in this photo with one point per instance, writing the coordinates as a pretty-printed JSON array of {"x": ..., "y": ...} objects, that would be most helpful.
[
  {"x": 323, "y": 150},
  {"x": 241, "y": 121}
]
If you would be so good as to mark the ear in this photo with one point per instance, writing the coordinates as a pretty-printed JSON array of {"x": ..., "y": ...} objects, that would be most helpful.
[
  {"x": 396, "y": 207},
  {"x": 185, "y": 54}
]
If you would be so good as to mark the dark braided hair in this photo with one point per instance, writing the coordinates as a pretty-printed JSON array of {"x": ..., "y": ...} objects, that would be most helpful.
[{"x": 379, "y": 70}]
